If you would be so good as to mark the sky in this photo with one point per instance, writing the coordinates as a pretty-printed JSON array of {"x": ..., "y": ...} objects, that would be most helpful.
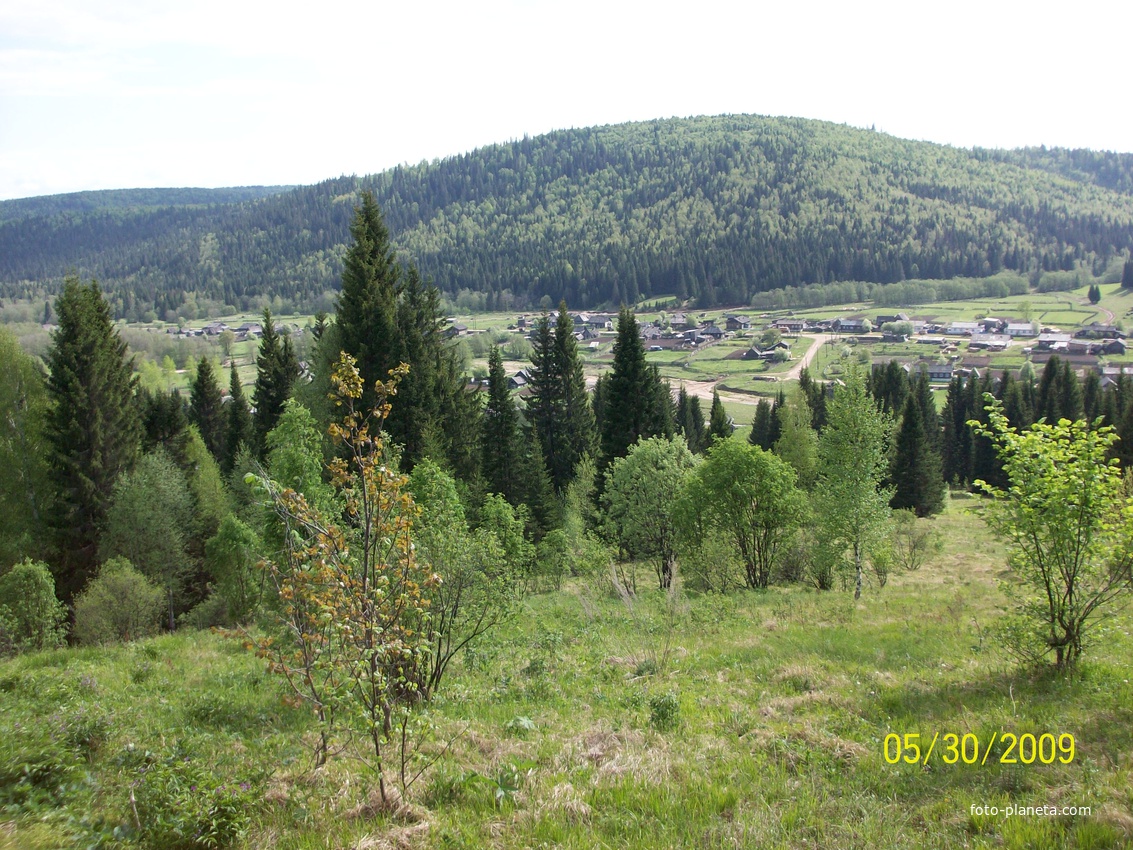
[{"x": 111, "y": 94}]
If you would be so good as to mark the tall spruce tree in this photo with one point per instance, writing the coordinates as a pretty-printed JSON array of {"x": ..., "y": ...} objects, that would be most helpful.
[
  {"x": 206, "y": 408},
  {"x": 276, "y": 371},
  {"x": 915, "y": 472},
  {"x": 636, "y": 403},
  {"x": 760, "y": 433},
  {"x": 367, "y": 306},
  {"x": 93, "y": 427},
  {"x": 238, "y": 423}
]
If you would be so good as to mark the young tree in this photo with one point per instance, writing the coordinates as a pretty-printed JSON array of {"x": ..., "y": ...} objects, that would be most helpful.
[
  {"x": 149, "y": 523},
  {"x": 798, "y": 442},
  {"x": 1094, "y": 293},
  {"x": 276, "y": 372},
  {"x": 206, "y": 408},
  {"x": 690, "y": 421},
  {"x": 851, "y": 506},
  {"x": 31, "y": 617},
  {"x": 93, "y": 428},
  {"x": 1067, "y": 520},
  {"x": 749, "y": 496},
  {"x": 639, "y": 498},
  {"x": 354, "y": 633}
]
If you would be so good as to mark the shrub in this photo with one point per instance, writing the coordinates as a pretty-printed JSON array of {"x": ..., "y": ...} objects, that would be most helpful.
[
  {"x": 121, "y": 604},
  {"x": 31, "y": 617},
  {"x": 180, "y": 806},
  {"x": 664, "y": 711}
]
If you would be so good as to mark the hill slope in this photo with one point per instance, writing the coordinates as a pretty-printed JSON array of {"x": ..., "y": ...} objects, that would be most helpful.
[{"x": 713, "y": 208}]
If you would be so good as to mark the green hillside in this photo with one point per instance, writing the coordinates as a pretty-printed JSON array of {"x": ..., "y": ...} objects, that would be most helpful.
[{"x": 716, "y": 209}]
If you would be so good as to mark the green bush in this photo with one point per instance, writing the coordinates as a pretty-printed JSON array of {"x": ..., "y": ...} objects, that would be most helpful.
[
  {"x": 30, "y": 615},
  {"x": 121, "y": 604},
  {"x": 664, "y": 711}
]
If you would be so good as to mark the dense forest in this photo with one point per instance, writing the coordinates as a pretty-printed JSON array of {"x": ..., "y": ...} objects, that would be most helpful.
[{"x": 718, "y": 209}]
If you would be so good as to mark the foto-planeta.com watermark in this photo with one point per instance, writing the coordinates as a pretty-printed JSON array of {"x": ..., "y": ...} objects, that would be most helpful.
[{"x": 1011, "y": 810}]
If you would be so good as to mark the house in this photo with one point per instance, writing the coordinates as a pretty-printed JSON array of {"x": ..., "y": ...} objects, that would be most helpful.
[
  {"x": 1097, "y": 331},
  {"x": 455, "y": 329},
  {"x": 1111, "y": 374},
  {"x": 1053, "y": 341},
  {"x": 884, "y": 320},
  {"x": 519, "y": 380},
  {"x": 962, "y": 328},
  {"x": 936, "y": 371},
  {"x": 789, "y": 326},
  {"x": 648, "y": 332},
  {"x": 1020, "y": 330},
  {"x": 738, "y": 323},
  {"x": 768, "y": 353},
  {"x": 713, "y": 333},
  {"x": 989, "y": 341},
  {"x": 850, "y": 326}
]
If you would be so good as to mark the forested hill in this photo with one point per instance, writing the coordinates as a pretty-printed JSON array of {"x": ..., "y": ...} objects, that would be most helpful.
[{"x": 714, "y": 208}]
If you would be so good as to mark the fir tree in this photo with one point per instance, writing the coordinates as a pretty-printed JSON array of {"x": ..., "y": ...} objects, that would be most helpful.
[
  {"x": 93, "y": 428},
  {"x": 238, "y": 423},
  {"x": 165, "y": 422},
  {"x": 206, "y": 408},
  {"x": 1094, "y": 293},
  {"x": 1127, "y": 275},
  {"x": 276, "y": 371},
  {"x": 719, "y": 427},
  {"x": 915, "y": 472}
]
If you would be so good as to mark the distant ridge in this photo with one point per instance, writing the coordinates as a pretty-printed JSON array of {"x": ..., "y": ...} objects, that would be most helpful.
[{"x": 713, "y": 208}]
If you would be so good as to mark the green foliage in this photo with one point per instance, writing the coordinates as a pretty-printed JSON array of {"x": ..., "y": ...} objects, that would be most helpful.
[
  {"x": 639, "y": 500},
  {"x": 798, "y": 441},
  {"x": 748, "y": 496},
  {"x": 93, "y": 427},
  {"x": 916, "y": 475},
  {"x": 719, "y": 424},
  {"x": 1067, "y": 521},
  {"x": 31, "y": 618},
  {"x": 915, "y": 540},
  {"x": 230, "y": 558},
  {"x": 238, "y": 422},
  {"x": 119, "y": 605},
  {"x": 295, "y": 455}
]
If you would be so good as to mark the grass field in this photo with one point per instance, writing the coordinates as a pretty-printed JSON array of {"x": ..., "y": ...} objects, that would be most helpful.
[{"x": 745, "y": 720}]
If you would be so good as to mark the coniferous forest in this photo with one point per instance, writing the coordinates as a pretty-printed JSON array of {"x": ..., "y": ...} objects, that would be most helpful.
[{"x": 717, "y": 209}]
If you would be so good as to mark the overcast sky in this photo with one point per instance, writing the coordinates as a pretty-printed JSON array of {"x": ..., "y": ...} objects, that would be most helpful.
[{"x": 107, "y": 94}]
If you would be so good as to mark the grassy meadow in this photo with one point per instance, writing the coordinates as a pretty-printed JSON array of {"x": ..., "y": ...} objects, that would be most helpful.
[{"x": 738, "y": 720}]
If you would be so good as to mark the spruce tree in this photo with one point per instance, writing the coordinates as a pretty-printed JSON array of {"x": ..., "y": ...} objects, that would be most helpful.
[
  {"x": 915, "y": 472},
  {"x": 501, "y": 439},
  {"x": 719, "y": 428},
  {"x": 276, "y": 372},
  {"x": 760, "y": 433},
  {"x": 559, "y": 406},
  {"x": 93, "y": 427},
  {"x": 635, "y": 401},
  {"x": 367, "y": 306},
  {"x": 238, "y": 423},
  {"x": 1127, "y": 275},
  {"x": 165, "y": 422},
  {"x": 690, "y": 421},
  {"x": 206, "y": 408},
  {"x": 1094, "y": 293}
]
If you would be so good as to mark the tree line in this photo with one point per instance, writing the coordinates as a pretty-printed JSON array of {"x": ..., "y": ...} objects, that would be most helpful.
[{"x": 717, "y": 209}]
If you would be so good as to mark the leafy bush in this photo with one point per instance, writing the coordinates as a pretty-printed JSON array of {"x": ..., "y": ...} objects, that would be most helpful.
[
  {"x": 31, "y": 617},
  {"x": 231, "y": 558},
  {"x": 121, "y": 604}
]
